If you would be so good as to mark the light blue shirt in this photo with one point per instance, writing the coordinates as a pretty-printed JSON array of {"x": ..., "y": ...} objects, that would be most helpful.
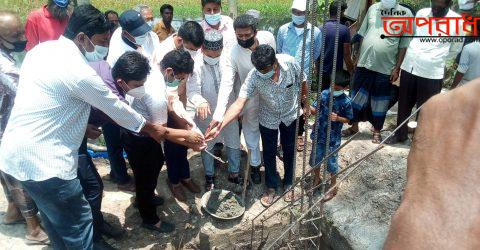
[{"x": 291, "y": 43}]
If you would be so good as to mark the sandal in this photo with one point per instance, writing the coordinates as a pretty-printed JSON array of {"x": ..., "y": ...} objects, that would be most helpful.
[
  {"x": 268, "y": 197},
  {"x": 40, "y": 239},
  {"x": 377, "y": 138},
  {"x": 348, "y": 132},
  {"x": 300, "y": 144},
  {"x": 291, "y": 196}
]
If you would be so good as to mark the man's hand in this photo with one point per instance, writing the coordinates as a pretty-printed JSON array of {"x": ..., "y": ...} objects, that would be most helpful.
[
  {"x": 441, "y": 203},
  {"x": 395, "y": 74},
  {"x": 213, "y": 130},
  {"x": 334, "y": 117},
  {"x": 93, "y": 132},
  {"x": 203, "y": 111},
  {"x": 306, "y": 111},
  {"x": 156, "y": 131},
  {"x": 194, "y": 137},
  {"x": 213, "y": 124}
]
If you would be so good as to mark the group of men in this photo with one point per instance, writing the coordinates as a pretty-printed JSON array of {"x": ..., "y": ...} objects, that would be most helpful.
[{"x": 155, "y": 92}]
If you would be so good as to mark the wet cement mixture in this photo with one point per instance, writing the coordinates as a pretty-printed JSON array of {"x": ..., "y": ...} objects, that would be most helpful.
[{"x": 224, "y": 204}]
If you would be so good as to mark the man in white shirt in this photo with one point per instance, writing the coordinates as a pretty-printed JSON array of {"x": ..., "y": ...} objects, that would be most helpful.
[
  {"x": 423, "y": 68},
  {"x": 132, "y": 35},
  {"x": 209, "y": 84},
  {"x": 177, "y": 66},
  {"x": 41, "y": 141},
  {"x": 20, "y": 206},
  {"x": 235, "y": 70},
  {"x": 214, "y": 20},
  {"x": 145, "y": 155}
]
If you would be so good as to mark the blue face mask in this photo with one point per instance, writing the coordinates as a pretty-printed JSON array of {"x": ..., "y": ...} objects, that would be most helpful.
[
  {"x": 337, "y": 93},
  {"x": 213, "y": 19},
  {"x": 174, "y": 83},
  {"x": 298, "y": 20},
  {"x": 267, "y": 75}
]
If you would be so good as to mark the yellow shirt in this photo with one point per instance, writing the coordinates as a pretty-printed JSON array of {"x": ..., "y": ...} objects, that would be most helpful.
[{"x": 162, "y": 31}]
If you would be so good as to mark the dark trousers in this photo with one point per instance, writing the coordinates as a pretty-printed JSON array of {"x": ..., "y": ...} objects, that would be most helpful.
[
  {"x": 269, "y": 143},
  {"x": 146, "y": 159},
  {"x": 115, "y": 145},
  {"x": 301, "y": 124},
  {"x": 178, "y": 167},
  {"x": 413, "y": 90},
  {"x": 92, "y": 186},
  {"x": 66, "y": 214}
]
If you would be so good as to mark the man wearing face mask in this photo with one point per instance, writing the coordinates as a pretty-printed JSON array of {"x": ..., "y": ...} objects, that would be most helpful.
[
  {"x": 214, "y": 20},
  {"x": 134, "y": 34},
  {"x": 377, "y": 68},
  {"x": 146, "y": 13},
  {"x": 278, "y": 81},
  {"x": 47, "y": 23},
  {"x": 209, "y": 84},
  {"x": 40, "y": 144},
  {"x": 290, "y": 42},
  {"x": 235, "y": 70},
  {"x": 190, "y": 38},
  {"x": 423, "y": 69},
  {"x": 20, "y": 206},
  {"x": 176, "y": 66},
  {"x": 145, "y": 154}
]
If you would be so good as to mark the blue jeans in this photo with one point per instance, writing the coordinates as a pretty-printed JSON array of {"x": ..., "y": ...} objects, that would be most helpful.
[
  {"x": 269, "y": 143},
  {"x": 115, "y": 146},
  {"x": 332, "y": 165},
  {"x": 233, "y": 162},
  {"x": 65, "y": 212}
]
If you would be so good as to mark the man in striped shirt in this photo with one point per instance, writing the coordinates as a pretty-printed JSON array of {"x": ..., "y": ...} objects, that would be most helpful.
[{"x": 41, "y": 141}]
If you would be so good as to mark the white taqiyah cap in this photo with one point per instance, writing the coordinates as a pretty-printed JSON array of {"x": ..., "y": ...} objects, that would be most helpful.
[{"x": 300, "y": 5}]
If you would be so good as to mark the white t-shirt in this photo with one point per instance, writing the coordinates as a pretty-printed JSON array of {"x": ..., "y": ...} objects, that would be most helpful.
[
  {"x": 427, "y": 58},
  {"x": 153, "y": 105},
  {"x": 469, "y": 63},
  {"x": 236, "y": 67},
  {"x": 118, "y": 47}
]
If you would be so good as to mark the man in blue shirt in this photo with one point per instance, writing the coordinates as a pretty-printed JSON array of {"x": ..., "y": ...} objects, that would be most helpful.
[
  {"x": 290, "y": 42},
  {"x": 344, "y": 50}
]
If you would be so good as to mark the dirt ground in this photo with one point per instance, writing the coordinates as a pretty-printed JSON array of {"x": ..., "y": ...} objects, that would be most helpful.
[{"x": 195, "y": 229}]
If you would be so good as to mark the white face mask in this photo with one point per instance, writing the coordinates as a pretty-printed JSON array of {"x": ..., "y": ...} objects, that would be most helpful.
[
  {"x": 137, "y": 93},
  {"x": 210, "y": 60},
  {"x": 388, "y": 4},
  {"x": 193, "y": 53},
  {"x": 98, "y": 54},
  {"x": 141, "y": 40},
  {"x": 150, "y": 23}
]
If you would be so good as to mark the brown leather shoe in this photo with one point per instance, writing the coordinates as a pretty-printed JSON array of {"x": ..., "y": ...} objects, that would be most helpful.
[
  {"x": 192, "y": 186},
  {"x": 177, "y": 191}
]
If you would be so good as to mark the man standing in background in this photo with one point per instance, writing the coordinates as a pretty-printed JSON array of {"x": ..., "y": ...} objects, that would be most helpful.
[
  {"x": 47, "y": 23},
  {"x": 290, "y": 42},
  {"x": 146, "y": 12},
  {"x": 164, "y": 28},
  {"x": 214, "y": 20}
]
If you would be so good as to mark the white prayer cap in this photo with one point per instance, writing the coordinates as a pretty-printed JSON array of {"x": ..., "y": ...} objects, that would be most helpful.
[{"x": 300, "y": 5}]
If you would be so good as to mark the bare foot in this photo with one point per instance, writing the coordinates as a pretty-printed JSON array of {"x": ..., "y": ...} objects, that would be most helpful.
[
  {"x": 330, "y": 195},
  {"x": 13, "y": 215}
]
